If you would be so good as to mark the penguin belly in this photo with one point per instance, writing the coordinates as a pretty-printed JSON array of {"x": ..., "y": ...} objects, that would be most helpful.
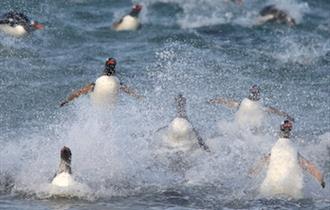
[
  {"x": 63, "y": 179},
  {"x": 128, "y": 23},
  {"x": 16, "y": 31},
  {"x": 105, "y": 91},
  {"x": 250, "y": 114},
  {"x": 180, "y": 134},
  {"x": 284, "y": 175}
]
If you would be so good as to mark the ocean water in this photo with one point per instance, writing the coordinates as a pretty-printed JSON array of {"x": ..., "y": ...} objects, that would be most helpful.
[{"x": 201, "y": 48}]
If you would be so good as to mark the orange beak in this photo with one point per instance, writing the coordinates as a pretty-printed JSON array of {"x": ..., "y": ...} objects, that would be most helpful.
[{"x": 38, "y": 26}]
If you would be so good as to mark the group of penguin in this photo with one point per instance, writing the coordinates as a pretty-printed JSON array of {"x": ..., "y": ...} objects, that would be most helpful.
[
  {"x": 18, "y": 24},
  {"x": 285, "y": 163}
]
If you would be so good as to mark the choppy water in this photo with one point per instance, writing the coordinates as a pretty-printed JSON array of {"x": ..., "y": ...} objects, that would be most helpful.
[{"x": 202, "y": 48}]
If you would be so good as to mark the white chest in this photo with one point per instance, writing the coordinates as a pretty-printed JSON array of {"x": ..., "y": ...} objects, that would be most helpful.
[
  {"x": 16, "y": 31},
  {"x": 180, "y": 134},
  {"x": 250, "y": 113},
  {"x": 63, "y": 179},
  {"x": 128, "y": 23},
  {"x": 106, "y": 90},
  {"x": 284, "y": 175}
]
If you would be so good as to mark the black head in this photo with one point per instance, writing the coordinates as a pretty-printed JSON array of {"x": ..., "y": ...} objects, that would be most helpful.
[
  {"x": 109, "y": 68},
  {"x": 66, "y": 154},
  {"x": 286, "y": 128},
  {"x": 136, "y": 10},
  {"x": 181, "y": 106},
  {"x": 254, "y": 93}
]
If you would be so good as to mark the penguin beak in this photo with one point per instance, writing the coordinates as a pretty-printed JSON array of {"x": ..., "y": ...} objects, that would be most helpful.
[{"x": 38, "y": 26}]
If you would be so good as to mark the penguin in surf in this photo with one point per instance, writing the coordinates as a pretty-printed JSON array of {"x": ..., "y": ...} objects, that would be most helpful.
[
  {"x": 105, "y": 89},
  {"x": 250, "y": 112},
  {"x": 180, "y": 134},
  {"x": 63, "y": 176},
  {"x": 285, "y": 168}
]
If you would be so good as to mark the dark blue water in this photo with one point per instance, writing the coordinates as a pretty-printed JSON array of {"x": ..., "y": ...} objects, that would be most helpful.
[{"x": 202, "y": 49}]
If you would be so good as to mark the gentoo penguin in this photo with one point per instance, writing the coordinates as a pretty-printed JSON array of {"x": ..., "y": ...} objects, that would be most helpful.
[
  {"x": 284, "y": 175},
  {"x": 63, "y": 176},
  {"x": 129, "y": 22},
  {"x": 250, "y": 112},
  {"x": 271, "y": 13},
  {"x": 17, "y": 24},
  {"x": 105, "y": 89},
  {"x": 180, "y": 134}
]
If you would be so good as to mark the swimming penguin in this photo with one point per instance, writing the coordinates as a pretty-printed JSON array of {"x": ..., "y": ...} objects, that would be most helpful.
[
  {"x": 271, "y": 13},
  {"x": 180, "y": 132},
  {"x": 105, "y": 89},
  {"x": 129, "y": 22},
  {"x": 63, "y": 176},
  {"x": 17, "y": 24},
  {"x": 250, "y": 112},
  {"x": 284, "y": 175}
]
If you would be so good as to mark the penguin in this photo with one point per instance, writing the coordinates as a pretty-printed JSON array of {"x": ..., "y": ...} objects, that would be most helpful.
[
  {"x": 284, "y": 175},
  {"x": 17, "y": 24},
  {"x": 181, "y": 135},
  {"x": 104, "y": 91},
  {"x": 129, "y": 22},
  {"x": 250, "y": 113},
  {"x": 63, "y": 176},
  {"x": 271, "y": 13}
]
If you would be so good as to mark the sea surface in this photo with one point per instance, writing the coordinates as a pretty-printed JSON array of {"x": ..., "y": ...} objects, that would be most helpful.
[{"x": 200, "y": 48}]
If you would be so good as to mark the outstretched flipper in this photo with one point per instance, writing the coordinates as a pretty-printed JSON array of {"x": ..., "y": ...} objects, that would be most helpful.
[
  {"x": 226, "y": 102},
  {"x": 255, "y": 170},
  {"x": 130, "y": 91},
  {"x": 115, "y": 24},
  {"x": 88, "y": 88},
  {"x": 201, "y": 141},
  {"x": 312, "y": 169},
  {"x": 279, "y": 113},
  {"x": 263, "y": 19},
  {"x": 161, "y": 128}
]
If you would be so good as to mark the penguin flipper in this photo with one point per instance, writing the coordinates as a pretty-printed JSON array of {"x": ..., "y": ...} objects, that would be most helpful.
[
  {"x": 88, "y": 88},
  {"x": 130, "y": 91},
  {"x": 161, "y": 128},
  {"x": 255, "y": 170},
  {"x": 226, "y": 102},
  {"x": 201, "y": 141},
  {"x": 312, "y": 169},
  {"x": 115, "y": 24},
  {"x": 279, "y": 113}
]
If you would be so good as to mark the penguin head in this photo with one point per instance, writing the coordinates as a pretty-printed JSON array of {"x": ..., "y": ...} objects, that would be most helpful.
[
  {"x": 136, "y": 9},
  {"x": 181, "y": 105},
  {"x": 110, "y": 65},
  {"x": 254, "y": 93},
  {"x": 180, "y": 100},
  {"x": 286, "y": 128},
  {"x": 66, "y": 154}
]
